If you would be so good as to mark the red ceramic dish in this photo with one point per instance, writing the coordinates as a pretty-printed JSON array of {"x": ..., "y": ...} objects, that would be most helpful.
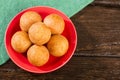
[{"x": 53, "y": 63}]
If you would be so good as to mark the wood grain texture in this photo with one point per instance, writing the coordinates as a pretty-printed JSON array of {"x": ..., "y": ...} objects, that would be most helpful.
[
  {"x": 98, "y": 31},
  {"x": 97, "y": 68},
  {"x": 98, "y": 49},
  {"x": 109, "y": 3},
  {"x": 10, "y": 71},
  {"x": 78, "y": 68}
]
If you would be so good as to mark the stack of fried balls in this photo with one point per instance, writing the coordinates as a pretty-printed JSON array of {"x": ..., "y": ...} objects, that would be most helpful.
[{"x": 40, "y": 38}]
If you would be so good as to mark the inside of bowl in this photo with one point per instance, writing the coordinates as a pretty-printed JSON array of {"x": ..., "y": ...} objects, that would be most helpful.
[{"x": 54, "y": 62}]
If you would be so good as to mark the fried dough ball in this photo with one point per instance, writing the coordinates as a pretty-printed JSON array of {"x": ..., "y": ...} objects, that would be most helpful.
[
  {"x": 38, "y": 55},
  {"x": 20, "y": 41},
  {"x": 39, "y": 34},
  {"x": 28, "y": 18},
  {"x": 58, "y": 45},
  {"x": 55, "y": 23}
]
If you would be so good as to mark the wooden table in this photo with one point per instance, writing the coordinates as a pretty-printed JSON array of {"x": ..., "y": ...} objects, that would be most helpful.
[{"x": 97, "y": 56}]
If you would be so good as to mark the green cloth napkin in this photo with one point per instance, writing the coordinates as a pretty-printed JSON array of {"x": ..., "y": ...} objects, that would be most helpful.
[{"x": 9, "y": 8}]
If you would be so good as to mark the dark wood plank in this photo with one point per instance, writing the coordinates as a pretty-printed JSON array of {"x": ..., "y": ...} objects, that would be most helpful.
[
  {"x": 97, "y": 68},
  {"x": 98, "y": 30},
  {"x": 10, "y": 71},
  {"x": 78, "y": 68},
  {"x": 109, "y": 3}
]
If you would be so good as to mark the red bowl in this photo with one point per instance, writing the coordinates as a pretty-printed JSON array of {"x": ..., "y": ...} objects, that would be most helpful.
[{"x": 53, "y": 63}]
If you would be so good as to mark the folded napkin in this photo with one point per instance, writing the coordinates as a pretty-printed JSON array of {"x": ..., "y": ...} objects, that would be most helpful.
[{"x": 9, "y": 8}]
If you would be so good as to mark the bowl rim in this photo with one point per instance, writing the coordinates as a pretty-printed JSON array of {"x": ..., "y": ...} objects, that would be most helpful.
[{"x": 32, "y": 71}]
